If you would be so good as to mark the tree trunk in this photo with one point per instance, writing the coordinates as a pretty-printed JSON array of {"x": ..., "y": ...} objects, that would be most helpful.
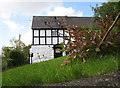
[{"x": 110, "y": 28}]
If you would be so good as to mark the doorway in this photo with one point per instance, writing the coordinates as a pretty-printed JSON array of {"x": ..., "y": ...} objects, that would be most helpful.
[{"x": 57, "y": 51}]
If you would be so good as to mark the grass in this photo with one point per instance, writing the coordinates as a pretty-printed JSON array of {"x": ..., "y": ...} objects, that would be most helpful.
[{"x": 52, "y": 71}]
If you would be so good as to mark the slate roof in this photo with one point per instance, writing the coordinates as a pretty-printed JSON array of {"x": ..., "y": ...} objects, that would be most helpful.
[{"x": 53, "y": 21}]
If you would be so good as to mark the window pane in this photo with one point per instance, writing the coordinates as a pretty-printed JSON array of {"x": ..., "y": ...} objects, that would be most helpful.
[
  {"x": 60, "y": 40},
  {"x": 36, "y": 32},
  {"x": 42, "y": 40},
  {"x": 42, "y": 32},
  {"x": 48, "y": 32},
  {"x": 73, "y": 39},
  {"x": 60, "y": 32},
  {"x": 36, "y": 40},
  {"x": 48, "y": 40},
  {"x": 65, "y": 33},
  {"x": 54, "y": 32},
  {"x": 66, "y": 41},
  {"x": 57, "y": 50},
  {"x": 54, "y": 40}
]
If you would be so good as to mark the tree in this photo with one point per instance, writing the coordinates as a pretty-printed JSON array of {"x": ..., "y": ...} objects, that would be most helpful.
[
  {"x": 87, "y": 40},
  {"x": 17, "y": 43},
  {"x": 6, "y": 51},
  {"x": 26, "y": 53},
  {"x": 18, "y": 48},
  {"x": 107, "y": 9},
  {"x": 17, "y": 57}
]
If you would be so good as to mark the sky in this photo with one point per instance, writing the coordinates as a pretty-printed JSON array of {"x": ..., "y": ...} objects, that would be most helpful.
[{"x": 16, "y": 15}]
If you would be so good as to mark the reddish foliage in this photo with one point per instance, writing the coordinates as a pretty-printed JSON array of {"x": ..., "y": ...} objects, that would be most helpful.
[{"x": 86, "y": 40}]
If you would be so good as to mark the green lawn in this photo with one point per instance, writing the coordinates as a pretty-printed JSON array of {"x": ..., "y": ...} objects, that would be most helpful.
[{"x": 52, "y": 71}]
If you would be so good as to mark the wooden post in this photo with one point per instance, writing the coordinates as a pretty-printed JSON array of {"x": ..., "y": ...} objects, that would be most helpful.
[{"x": 110, "y": 28}]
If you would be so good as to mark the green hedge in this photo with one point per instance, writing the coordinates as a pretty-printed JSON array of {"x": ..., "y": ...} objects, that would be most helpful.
[{"x": 17, "y": 58}]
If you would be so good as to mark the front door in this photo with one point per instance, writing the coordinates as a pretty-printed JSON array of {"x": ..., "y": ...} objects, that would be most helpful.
[{"x": 57, "y": 51}]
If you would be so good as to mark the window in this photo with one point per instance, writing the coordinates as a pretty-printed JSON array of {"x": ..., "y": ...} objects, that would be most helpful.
[
  {"x": 47, "y": 36},
  {"x": 54, "y": 40},
  {"x": 60, "y": 32},
  {"x": 66, "y": 33},
  {"x": 36, "y": 40},
  {"x": 60, "y": 40},
  {"x": 73, "y": 39},
  {"x": 54, "y": 32},
  {"x": 42, "y": 32},
  {"x": 42, "y": 40},
  {"x": 48, "y": 40},
  {"x": 36, "y": 32},
  {"x": 48, "y": 32},
  {"x": 57, "y": 50},
  {"x": 66, "y": 41}
]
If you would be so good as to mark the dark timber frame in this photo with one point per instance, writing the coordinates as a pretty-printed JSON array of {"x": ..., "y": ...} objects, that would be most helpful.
[{"x": 45, "y": 36}]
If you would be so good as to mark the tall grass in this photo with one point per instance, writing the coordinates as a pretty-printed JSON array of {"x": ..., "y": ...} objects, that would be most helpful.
[{"x": 52, "y": 71}]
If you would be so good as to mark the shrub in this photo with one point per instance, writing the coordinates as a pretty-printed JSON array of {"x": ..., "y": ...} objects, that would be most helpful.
[
  {"x": 86, "y": 40},
  {"x": 4, "y": 63},
  {"x": 17, "y": 58}
]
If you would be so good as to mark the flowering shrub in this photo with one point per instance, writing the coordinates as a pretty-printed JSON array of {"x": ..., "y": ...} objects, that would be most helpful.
[{"x": 81, "y": 41}]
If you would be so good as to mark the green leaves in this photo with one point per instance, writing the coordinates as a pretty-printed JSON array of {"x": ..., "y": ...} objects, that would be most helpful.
[
  {"x": 97, "y": 49},
  {"x": 10, "y": 59}
]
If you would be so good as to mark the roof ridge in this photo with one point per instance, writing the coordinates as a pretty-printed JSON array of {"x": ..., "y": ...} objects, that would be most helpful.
[{"x": 63, "y": 16}]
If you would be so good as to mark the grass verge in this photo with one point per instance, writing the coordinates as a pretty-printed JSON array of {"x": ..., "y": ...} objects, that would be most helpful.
[{"x": 52, "y": 71}]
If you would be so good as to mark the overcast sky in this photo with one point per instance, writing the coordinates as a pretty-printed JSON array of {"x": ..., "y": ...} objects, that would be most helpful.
[{"x": 16, "y": 15}]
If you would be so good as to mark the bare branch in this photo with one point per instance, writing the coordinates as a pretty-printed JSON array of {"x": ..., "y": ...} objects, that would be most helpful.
[{"x": 110, "y": 28}]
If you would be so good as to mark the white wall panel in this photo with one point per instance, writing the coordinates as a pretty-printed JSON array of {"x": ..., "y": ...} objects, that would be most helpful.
[{"x": 46, "y": 52}]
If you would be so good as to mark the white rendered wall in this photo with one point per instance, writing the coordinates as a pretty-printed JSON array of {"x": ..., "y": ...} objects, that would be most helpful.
[{"x": 46, "y": 52}]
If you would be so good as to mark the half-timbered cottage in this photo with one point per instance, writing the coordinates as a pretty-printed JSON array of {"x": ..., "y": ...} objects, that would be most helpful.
[{"x": 47, "y": 35}]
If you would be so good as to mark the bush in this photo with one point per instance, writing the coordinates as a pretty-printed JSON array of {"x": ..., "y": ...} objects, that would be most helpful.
[
  {"x": 17, "y": 58},
  {"x": 4, "y": 63},
  {"x": 91, "y": 40}
]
